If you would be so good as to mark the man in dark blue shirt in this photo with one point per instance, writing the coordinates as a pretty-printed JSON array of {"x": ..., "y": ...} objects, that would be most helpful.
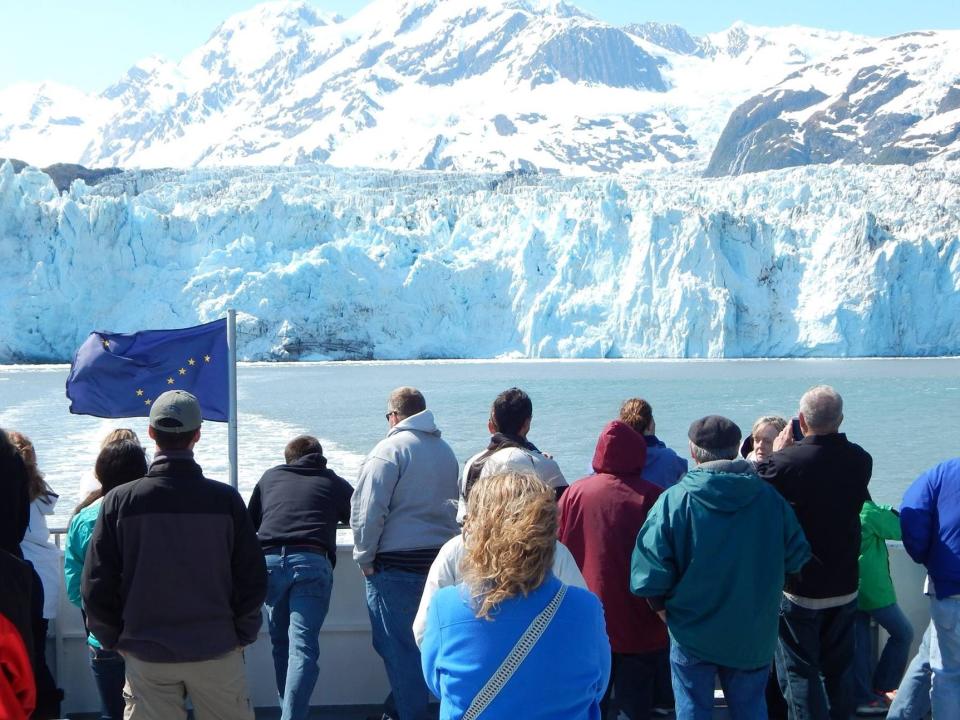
[{"x": 295, "y": 508}]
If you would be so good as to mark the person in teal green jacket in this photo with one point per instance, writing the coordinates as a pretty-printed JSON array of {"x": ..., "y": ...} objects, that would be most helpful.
[
  {"x": 118, "y": 463},
  {"x": 878, "y": 600},
  {"x": 712, "y": 558}
]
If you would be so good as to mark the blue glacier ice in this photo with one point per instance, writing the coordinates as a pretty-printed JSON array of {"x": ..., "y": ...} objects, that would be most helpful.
[{"x": 323, "y": 263}]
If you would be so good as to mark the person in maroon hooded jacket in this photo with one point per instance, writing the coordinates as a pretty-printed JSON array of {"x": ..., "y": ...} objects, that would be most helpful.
[{"x": 600, "y": 516}]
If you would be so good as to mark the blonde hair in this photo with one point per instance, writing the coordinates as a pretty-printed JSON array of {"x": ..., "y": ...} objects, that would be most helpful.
[
  {"x": 637, "y": 413},
  {"x": 778, "y": 422},
  {"x": 510, "y": 535},
  {"x": 117, "y": 435},
  {"x": 36, "y": 485}
]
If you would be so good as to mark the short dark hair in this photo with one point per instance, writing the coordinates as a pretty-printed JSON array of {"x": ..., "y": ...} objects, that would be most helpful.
[
  {"x": 406, "y": 401},
  {"x": 173, "y": 441},
  {"x": 300, "y": 446},
  {"x": 511, "y": 409},
  {"x": 119, "y": 463}
]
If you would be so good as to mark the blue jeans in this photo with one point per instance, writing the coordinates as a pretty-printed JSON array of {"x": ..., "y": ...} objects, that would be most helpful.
[
  {"x": 393, "y": 597},
  {"x": 694, "y": 680},
  {"x": 893, "y": 660},
  {"x": 945, "y": 657},
  {"x": 814, "y": 660},
  {"x": 298, "y": 596},
  {"x": 913, "y": 698},
  {"x": 108, "y": 673}
]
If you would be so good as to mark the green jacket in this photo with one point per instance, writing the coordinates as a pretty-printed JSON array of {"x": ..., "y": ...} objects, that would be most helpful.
[
  {"x": 878, "y": 523},
  {"x": 717, "y": 547},
  {"x": 74, "y": 552}
]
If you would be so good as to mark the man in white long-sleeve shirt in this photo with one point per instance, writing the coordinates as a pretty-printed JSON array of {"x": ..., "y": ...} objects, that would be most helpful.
[{"x": 403, "y": 510}]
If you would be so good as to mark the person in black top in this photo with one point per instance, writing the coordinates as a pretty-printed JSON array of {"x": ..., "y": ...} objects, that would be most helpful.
[
  {"x": 174, "y": 579},
  {"x": 824, "y": 477},
  {"x": 295, "y": 508}
]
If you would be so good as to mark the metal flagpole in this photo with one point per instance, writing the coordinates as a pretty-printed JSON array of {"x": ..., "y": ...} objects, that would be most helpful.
[{"x": 232, "y": 380}]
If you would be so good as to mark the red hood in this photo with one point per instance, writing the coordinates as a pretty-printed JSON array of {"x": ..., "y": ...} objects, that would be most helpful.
[{"x": 621, "y": 450}]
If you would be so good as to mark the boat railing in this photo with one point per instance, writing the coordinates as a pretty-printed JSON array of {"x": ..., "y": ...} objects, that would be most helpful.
[{"x": 350, "y": 672}]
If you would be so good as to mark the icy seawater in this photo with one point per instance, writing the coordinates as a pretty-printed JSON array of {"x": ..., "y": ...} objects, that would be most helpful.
[{"x": 906, "y": 413}]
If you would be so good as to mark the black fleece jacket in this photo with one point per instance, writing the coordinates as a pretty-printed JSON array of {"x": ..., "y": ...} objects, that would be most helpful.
[
  {"x": 301, "y": 504},
  {"x": 174, "y": 571},
  {"x": 824, "y": 478}
]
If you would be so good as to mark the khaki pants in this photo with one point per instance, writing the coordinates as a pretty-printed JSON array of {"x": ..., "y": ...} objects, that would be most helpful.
[{"x": 217, "y": 689}]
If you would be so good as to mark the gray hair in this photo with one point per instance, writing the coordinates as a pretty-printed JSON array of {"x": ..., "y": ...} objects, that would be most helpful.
[
  {"x": 703, "y": 455},
  {"x": 822, "y": 409}
]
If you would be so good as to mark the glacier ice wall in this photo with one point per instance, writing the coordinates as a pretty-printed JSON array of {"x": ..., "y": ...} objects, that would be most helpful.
[{"x": 322, "y": 263}]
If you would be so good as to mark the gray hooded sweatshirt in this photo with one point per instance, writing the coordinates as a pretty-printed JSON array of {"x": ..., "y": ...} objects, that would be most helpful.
[{"x": 406, "y": 493}]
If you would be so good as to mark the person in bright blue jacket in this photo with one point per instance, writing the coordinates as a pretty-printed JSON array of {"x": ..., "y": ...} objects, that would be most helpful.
[
  {"x": 930, "y": 521},
  {"x": 510, "y": 533}
]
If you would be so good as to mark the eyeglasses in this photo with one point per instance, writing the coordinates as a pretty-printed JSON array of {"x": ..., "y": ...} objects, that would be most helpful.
[{"x": 392, "y": 412}]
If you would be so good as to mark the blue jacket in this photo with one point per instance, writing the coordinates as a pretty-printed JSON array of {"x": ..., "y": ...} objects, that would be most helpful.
[
  {"x": 930, "y": 520},
  {"x": 663, "y": 467},
  {"x": 564, "y": 676}
]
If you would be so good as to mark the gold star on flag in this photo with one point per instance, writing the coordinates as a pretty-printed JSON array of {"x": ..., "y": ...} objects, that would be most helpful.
[
  {"x": 139, "y": 393},
  {"x": 147, "y": 401},
  {"x": 206, "y": 358},
  {"x": 183, "y": 371},
  {"x": 106, "y": 343},
  {"x": 169, "y": 381},
  {"x": 191, "y": 361}
]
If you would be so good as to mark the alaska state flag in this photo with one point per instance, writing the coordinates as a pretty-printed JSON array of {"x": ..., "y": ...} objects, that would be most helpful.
[{"x": 115, "y": 375}]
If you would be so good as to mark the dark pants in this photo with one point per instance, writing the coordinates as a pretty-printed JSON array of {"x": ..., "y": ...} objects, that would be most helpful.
[
  {"x": 815, "y": 661},
  {"x": 633, "y": 679},
  {"x": 48, "y": 694},
  {"x": 108, "y": 673}
]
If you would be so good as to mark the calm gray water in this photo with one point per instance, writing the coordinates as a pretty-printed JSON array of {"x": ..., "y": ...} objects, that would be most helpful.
[{"x": 906, "y": 413}]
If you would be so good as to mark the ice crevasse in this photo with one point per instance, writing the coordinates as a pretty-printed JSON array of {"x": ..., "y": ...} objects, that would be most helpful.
[{"x": 350, "y": 264}]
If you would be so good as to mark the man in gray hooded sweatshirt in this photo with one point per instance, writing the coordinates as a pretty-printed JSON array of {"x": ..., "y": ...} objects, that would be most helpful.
[{"x": 403, "y": 510}]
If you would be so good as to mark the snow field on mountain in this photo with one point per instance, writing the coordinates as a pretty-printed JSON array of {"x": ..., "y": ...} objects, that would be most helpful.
[
  {"x": 820, "y": 261},
  {"x": 467, "y": 85}
]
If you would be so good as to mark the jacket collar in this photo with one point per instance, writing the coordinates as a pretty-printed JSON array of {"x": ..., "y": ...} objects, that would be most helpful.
[
  {"x": 836, "y": 438},
  {"x": 311, "y": 460},
  {"x": 165, "y": 460}
]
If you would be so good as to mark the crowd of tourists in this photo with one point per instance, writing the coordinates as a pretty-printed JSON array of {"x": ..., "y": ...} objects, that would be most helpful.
[{"x": 499, "y": 588}]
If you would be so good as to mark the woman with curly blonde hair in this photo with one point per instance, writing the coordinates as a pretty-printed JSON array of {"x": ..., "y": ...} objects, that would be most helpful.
[{"x": 473, "y": 657}]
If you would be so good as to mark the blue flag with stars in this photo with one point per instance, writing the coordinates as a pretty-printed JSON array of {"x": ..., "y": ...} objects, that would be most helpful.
[{"x": 116, "y": 375}]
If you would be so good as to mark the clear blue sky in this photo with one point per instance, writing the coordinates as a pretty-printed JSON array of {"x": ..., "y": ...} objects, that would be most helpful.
[{"x": 91, "y": 44}]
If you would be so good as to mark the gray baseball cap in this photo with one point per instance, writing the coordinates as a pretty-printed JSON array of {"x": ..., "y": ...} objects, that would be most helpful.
[{"x": 176, "y": 411}]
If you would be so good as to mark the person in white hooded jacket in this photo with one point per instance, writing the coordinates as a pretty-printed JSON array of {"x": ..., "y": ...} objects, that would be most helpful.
[
  {"x": 36, "y": 546},
  {"x": 403, "y": 510}
]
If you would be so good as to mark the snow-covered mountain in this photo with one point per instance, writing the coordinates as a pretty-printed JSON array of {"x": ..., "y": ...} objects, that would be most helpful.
[
  {"x": 467, "y": 85},
  {"x": 816, "y": 261},
  {"x": 894, "y": 101}
]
